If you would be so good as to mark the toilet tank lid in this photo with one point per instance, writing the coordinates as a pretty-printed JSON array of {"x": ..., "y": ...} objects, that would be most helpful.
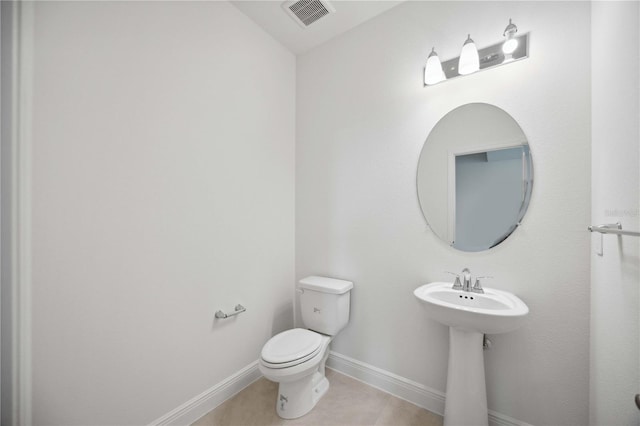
[{"x": 326, "y": 285}]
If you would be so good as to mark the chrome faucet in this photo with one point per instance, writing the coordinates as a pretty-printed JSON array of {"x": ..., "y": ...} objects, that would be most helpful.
[
  {"x": 466, "y": 280},
  {"x": 456, "y": 282},
  {"x": 477, "y": 288}
]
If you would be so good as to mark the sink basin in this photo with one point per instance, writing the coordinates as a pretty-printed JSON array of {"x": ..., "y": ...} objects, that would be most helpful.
[
  {"x": 493, "y": 312},
  {"x": 469, "y": 316}
]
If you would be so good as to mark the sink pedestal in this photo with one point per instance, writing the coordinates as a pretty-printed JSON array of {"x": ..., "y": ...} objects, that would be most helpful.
[
  {"x": 466, "y": 400},
  {"x": 469, "y": 315}
]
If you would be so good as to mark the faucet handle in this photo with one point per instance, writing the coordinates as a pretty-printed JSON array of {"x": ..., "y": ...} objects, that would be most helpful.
[
  {"x": 456, "y": 283},
  {"x": 477, "y": 287}
]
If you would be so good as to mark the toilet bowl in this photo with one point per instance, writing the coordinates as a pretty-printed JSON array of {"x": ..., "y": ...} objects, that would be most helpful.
[
  {"x": 296, "y": 358},
  {"x": 296, "y": 361}
]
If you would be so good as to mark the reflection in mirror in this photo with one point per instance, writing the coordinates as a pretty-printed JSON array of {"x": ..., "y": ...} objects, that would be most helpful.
[{"x": 475, "y": 177}]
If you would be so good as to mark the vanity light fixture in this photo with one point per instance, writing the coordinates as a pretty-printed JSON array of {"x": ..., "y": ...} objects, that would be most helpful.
[
  {"x": 469, "y": 60},
  {"x": 433, "y": 70},
  {"x": 511, "y": 49},
  {"x": 511, "y": 43}
]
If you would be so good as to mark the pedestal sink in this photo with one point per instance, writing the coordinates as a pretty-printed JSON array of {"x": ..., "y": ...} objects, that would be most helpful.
[{"x": 469, "y": 316}]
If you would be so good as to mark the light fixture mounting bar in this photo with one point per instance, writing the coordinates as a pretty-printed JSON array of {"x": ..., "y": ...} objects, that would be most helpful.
[{"x": 490, "y": 57}]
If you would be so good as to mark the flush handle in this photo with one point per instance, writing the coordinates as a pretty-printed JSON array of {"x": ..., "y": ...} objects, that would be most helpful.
[{"x": 637, "y": 398}]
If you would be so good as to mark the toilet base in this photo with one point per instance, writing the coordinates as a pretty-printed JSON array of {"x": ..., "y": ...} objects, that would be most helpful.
[{"x": 295, "y": 399}]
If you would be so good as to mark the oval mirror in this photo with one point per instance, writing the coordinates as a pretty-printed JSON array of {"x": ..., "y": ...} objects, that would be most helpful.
[{"x": 475, "y": 176}]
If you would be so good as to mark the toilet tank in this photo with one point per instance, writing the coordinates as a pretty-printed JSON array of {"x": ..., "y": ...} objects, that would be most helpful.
[{"x": 324, "y": 303}]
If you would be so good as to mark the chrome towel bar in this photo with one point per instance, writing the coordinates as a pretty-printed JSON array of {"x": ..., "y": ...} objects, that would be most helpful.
[
  {"x": 238, "y": 310},
  {"x": 612, "y": 228}
]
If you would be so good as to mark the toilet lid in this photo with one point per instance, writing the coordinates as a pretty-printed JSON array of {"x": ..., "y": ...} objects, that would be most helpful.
[{"x": 291, "y": 345}]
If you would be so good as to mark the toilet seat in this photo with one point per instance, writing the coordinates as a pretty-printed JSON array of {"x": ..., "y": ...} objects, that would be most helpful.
[{"x": 290, "y": 348}]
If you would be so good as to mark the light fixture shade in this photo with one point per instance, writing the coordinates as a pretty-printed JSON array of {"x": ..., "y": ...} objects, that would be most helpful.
[
  {"x": 433, "y": 72},
  {"x": 510, "y": 46},
  {"x": 511, "y": 43},
  {"x": 469, "y": 60}
]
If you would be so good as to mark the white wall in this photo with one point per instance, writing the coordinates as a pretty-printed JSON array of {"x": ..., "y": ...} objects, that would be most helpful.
[
  {"x": 362, "y": 118},
  {"x": 163, "y": 190},
  {"x": 615, "y": 277}
]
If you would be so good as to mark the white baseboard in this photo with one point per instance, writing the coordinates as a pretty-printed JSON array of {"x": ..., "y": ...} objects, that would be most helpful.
[
  {"x": 200, "y": 405},
  {"x": 403, "y": 388}
]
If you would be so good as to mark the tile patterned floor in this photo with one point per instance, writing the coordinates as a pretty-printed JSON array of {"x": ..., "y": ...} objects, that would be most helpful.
[{"x": 348, "y": 402}]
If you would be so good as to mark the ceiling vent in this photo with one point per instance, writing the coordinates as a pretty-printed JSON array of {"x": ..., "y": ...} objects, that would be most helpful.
[{"x": 306, "y": 12}]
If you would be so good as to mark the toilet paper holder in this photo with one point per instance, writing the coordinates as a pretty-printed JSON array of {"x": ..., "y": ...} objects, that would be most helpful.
[{"x": 238, "y": 310}]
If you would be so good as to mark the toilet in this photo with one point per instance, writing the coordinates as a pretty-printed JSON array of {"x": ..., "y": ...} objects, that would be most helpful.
[{"x": 296, "y": 358}]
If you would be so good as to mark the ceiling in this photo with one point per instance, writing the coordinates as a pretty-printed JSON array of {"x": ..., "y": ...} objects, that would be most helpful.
[{"x": 274, "y": 20}]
